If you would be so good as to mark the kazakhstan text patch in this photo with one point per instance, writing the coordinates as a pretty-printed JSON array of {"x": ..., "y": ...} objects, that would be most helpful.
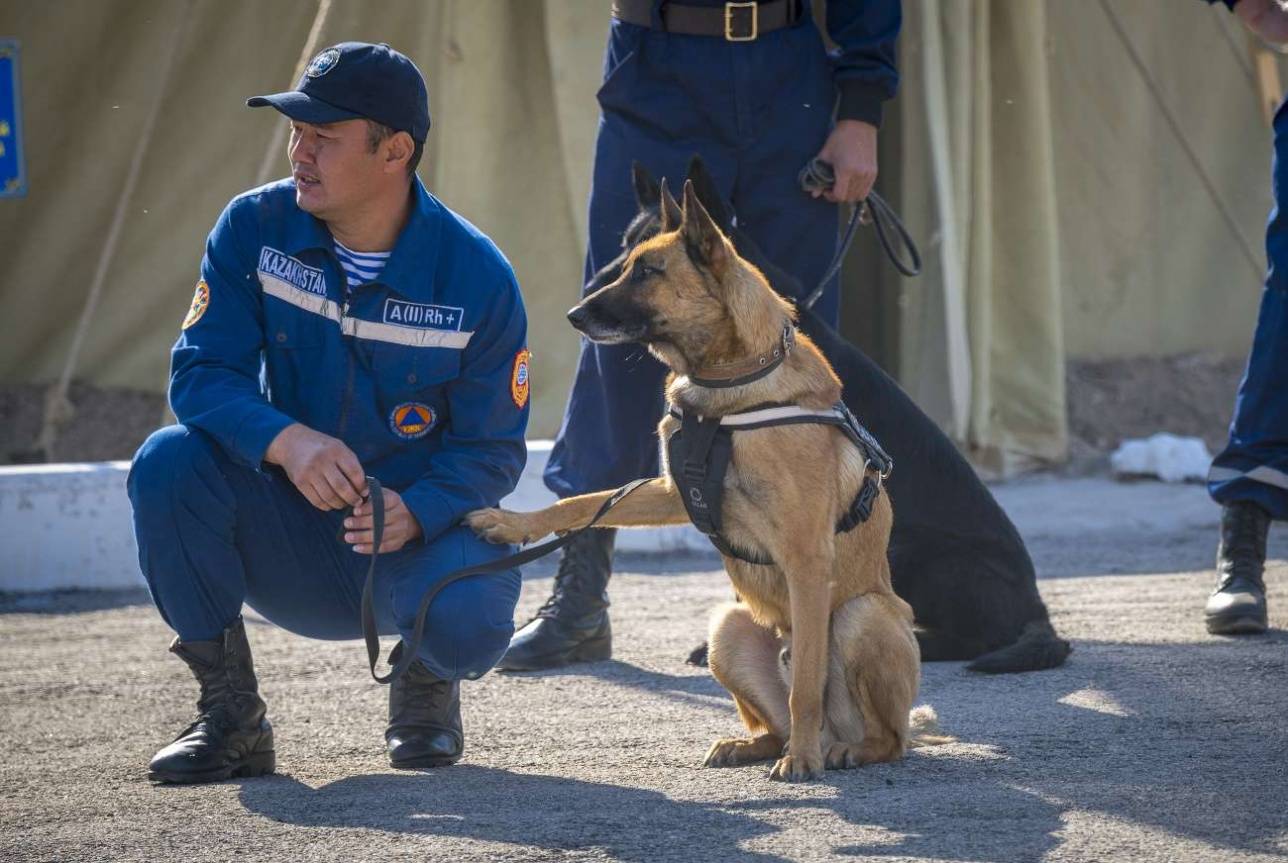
[
  {"x": 406, "y": 314},
  {"x": 200, "y": 302},
  {"x": 288, "y": 269},
  {"x": 411, "y": 420},
  {"x": 519, "y": 378}
]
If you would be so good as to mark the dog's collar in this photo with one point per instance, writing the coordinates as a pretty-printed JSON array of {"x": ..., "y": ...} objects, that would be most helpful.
[{"x": 736, "y": 374}]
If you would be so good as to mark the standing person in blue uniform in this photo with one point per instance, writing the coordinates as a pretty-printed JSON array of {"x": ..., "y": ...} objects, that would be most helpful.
[
  {"x": 751, "y": 88},
  {"x": 1249, "y": 478},
  {"x": 346, "y": 323}
]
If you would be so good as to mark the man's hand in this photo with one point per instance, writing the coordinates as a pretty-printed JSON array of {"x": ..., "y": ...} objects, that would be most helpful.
[
  {"x": 851, "y": 150},
  {"x": 321, "y": 467},
  {"x": 1267, "y": 18},
  {"x": 401, "y": 526}
]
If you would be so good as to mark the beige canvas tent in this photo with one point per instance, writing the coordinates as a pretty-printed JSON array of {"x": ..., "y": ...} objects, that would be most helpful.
[{"x": 1087, "y": 179}]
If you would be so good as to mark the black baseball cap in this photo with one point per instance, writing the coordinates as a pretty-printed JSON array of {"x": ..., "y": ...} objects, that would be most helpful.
[{"x": 357, "y": 80}]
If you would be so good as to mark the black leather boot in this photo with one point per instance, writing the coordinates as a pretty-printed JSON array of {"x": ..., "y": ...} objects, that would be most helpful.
[
  {"x": 231, "y": 736},
  {"x": 572, "y": 625},
  {"x": 424, "y": 718},
  {"x": 1238, "y": 605}
]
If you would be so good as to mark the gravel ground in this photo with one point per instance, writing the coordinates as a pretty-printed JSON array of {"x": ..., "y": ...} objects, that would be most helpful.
[{"x": 1155, "y": 742}]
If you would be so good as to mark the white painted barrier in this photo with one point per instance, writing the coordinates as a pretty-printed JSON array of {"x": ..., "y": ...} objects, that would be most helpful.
[{"x": 66, "y": 526}]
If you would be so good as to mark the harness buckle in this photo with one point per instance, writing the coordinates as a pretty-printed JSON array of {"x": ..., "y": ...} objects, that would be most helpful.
[
  {"x": 867, "y": 496},
  {"x": 730, "y": 13}
]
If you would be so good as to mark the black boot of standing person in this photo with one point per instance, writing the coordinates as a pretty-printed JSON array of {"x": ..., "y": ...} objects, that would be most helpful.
[
  {"x": 572, "y": 625},
  {"x": 1238, "y": 605}
]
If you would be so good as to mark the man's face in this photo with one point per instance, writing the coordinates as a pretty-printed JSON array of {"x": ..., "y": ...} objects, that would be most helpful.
[{"x": 333, "y": 167}]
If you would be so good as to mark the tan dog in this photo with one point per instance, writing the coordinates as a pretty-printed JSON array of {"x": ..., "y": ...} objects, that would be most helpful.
[{"x": 819, "y": 654}]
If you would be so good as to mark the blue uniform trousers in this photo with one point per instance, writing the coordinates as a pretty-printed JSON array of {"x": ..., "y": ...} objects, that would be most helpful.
[
  {"x": 756, "y": 112},
  {"x": 1254, "y": 464},
  {"x": 213, "y": 533}
]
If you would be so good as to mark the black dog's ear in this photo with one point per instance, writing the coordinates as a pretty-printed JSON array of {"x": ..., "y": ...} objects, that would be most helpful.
[
  {"x": 708, "y": 193},
  {"x": 670, "y": 210},
  {"x": 646, "y": 190},
  {"x": 702, "y": 238}
]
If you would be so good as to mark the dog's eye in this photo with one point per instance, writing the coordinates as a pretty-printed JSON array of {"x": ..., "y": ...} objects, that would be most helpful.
[{"x": 642, "y": 272}]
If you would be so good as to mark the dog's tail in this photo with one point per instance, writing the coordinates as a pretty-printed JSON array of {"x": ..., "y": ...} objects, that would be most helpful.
[
  {"x": 1038, "y": 647},
  {"x": 923, "y": 728}
]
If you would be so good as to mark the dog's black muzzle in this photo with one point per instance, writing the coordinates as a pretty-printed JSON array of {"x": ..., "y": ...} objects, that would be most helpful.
[{"x": 605, "y": 317}]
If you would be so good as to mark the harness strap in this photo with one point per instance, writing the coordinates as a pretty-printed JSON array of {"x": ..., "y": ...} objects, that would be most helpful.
[
  {"x": 699, "y": 435},
  {"x": 404, "y": 654},
  {"x": 704, "y": 463}
]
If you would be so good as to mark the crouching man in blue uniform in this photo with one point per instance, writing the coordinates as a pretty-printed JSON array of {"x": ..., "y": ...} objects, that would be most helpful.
[{"x": 346, "y": 324}]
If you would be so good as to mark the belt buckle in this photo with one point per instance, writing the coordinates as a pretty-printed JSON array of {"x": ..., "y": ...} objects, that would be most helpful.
[{"x": 730, "y": 9}]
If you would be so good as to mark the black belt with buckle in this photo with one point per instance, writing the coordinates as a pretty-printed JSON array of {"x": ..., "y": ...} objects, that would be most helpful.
[{"x": 734, "y": 22}]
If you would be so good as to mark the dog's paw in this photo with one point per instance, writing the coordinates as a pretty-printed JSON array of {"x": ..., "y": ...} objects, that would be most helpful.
[
  {"x": 731, "y": 753},
  {"x": 798, "y": 768},
  {"x": 842, "y": 756},
  {"x": 501, "y": 525}
]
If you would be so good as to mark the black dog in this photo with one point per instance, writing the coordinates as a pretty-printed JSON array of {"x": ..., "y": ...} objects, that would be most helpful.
[{"x": 955, "y": 556}]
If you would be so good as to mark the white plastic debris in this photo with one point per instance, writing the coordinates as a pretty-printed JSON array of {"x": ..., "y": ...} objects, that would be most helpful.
[{"x": 1166, "y": 456}]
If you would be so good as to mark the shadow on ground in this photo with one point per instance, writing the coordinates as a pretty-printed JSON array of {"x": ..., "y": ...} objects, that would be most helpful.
[
  {"x": 72, "y": 601},
  {"x": 1124, "y": 733}
]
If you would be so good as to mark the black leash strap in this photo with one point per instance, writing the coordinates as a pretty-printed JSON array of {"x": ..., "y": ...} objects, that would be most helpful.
[
  {"x": 401, "y": 659},
  {"x": 819, "y": 176}
]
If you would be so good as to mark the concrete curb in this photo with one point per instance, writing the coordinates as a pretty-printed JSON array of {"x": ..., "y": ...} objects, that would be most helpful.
[{"x": 68, "y": 526}]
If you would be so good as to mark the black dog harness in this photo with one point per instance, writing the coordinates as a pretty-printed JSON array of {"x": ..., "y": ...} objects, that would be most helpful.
[{"x": 700, "y": 450}]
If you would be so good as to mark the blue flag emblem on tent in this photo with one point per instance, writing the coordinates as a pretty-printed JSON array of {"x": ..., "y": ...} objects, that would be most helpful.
[{"x": 13, "y": 176}]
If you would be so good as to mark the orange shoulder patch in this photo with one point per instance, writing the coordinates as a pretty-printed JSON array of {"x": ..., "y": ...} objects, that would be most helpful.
[
  {"x": 520, "y": 378},
  {"x": 200, "y": 302}
]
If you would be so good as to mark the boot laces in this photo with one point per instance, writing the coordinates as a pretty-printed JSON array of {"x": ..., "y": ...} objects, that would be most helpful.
[
  {"x": 1242, "y": 555},
  {"x": 574, "y": 574}
]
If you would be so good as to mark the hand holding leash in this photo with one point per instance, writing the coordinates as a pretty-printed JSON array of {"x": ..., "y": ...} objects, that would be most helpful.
[
  {"x": 818, "y": 174},
  {"x": 400, "y": 526}
]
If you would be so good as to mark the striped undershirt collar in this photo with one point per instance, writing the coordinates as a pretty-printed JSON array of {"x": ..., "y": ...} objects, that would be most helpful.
[{"x": 360, "y": 267}]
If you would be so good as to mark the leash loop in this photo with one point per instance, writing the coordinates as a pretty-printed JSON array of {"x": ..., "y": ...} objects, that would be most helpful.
[
  {"x": 404, "y": 654},
  {"x": 819, "y": 176}
]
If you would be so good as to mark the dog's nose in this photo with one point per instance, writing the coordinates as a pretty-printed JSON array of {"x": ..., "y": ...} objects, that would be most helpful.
[{"x": 577, "y": 315}]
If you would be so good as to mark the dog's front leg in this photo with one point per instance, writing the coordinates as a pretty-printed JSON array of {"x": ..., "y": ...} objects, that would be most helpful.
[
  {"x": 655, "y": 503},
  {"x": 810, "y": 601}
]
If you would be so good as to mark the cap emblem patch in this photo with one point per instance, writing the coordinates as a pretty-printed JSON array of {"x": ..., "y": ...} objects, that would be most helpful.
[{"x": 323, "y": 63}]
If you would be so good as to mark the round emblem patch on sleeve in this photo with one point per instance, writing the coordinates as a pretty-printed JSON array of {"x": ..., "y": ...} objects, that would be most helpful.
[
  {"x": 200, "y": 302},
  {"x": 519, "y": 378},
  {"x": 411, "y": 420}
]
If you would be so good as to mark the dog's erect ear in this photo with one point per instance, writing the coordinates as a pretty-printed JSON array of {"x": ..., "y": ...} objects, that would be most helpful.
[
  {"x": 702, "y": 238},
  {"x": 705, "y": 185},
  {"x": 671, "y": 214},
  {"x": 646, "y": 191}
]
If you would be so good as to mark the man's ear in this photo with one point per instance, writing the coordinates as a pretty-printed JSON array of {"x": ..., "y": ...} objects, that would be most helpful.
[
  {"x": 671, "y": 214},
  {"x": 398, "y": 150},
  {"x": 646, "y": 190},
  {"x": 702, "y": 239}
]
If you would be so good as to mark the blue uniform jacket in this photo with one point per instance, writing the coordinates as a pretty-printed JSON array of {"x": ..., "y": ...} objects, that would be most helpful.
[{"x": 423, "y": 374}]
